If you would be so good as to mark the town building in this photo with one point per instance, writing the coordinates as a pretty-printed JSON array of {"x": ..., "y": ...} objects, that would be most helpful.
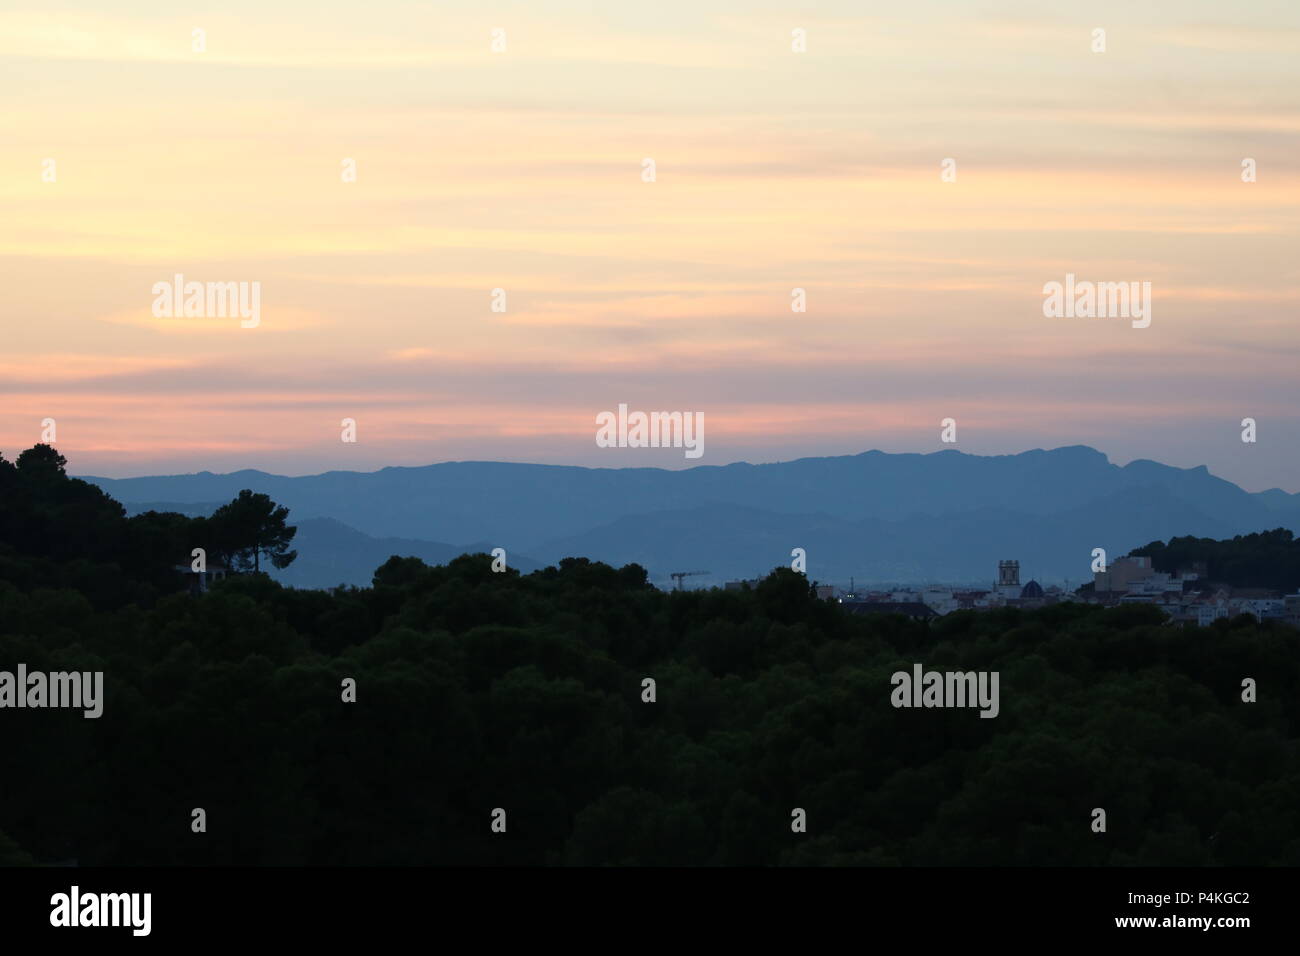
[{"x": 198, "y": 582}]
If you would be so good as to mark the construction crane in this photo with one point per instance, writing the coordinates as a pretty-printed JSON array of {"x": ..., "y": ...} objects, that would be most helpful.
[{"x": 678, "y": 575}]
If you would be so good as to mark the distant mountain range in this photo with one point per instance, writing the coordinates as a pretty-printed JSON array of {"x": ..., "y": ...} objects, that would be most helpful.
[{"x": 945, "y": 516}]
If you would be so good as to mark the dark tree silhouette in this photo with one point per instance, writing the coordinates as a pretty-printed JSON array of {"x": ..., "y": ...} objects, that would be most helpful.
[
  {"x": 43, "y": 460},
  {"x": 1266, "y": 559},
  {"x": 486, "y": 689},
  {"x": 251, "y": 526}
]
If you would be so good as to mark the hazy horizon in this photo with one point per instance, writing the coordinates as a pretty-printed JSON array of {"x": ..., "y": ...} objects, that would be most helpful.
[
  {"x": 136, "y": 153},
  {"x": 675, "y": 464}
]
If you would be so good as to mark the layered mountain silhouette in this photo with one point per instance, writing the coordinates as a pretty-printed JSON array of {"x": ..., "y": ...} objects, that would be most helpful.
[
  {"x": 946, "y": 516},
  {"x": 331, "y": 554}
]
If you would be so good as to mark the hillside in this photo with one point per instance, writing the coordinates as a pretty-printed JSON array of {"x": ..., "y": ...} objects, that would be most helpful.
[{"x": 876, "y": 516}]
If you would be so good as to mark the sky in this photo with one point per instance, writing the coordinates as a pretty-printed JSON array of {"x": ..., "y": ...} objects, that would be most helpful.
[{"x": 128, "y": 156}]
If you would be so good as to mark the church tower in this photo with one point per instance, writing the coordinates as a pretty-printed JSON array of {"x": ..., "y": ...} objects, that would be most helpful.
[{"x": 1009, "y": 579}]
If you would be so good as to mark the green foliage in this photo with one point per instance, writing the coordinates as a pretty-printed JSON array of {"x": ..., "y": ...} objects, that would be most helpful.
[
  {"x": 57, "y": 531},
  {"x": 478, "y": 690},
  {"x": 11, "y": 854},
  {"x": 1267, "y": 559}
]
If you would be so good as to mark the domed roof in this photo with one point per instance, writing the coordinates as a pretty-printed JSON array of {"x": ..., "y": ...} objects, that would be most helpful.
[{"x": 1032, "y": 590}]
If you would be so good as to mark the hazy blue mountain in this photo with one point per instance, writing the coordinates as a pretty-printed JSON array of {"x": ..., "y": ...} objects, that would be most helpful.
[
  {"x": 945, "y": 515},
  {"x": 331, "y": 553},
  {"x": 1275, "y": 499},
  {"x": 191, "y": 509},
  {"x": 734, "y": 542}
]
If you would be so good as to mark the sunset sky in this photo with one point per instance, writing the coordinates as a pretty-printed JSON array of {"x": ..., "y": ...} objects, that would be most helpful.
[{"x": 522, "y": 170}]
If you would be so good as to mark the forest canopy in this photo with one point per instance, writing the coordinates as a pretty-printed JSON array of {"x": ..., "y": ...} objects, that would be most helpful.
[{"x": 477, "y": 690}]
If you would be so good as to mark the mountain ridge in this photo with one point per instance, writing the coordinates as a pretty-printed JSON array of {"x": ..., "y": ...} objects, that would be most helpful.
[{"x": 1044, "y": 503}]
